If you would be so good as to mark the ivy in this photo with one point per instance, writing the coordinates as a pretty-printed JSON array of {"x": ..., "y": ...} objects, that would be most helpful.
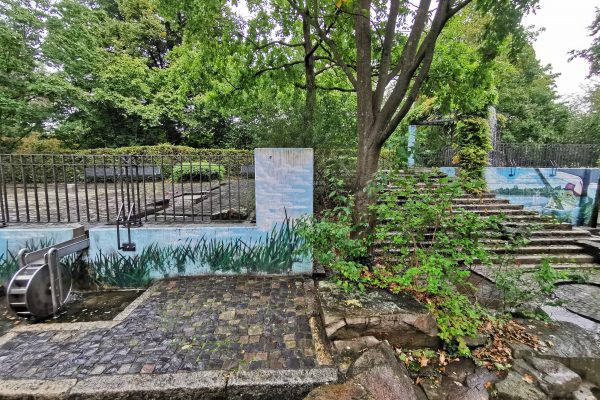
[{"x": 473, "y": 145}]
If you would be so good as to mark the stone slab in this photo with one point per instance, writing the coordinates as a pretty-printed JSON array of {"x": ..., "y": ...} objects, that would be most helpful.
[
  {"x": 566, "y": 343},
  {"x": 277, "y": 385},
  {"x": 35, "y": 388},
  {"x": 399, "y": 319},
  {"x": 203, "y": 385}
]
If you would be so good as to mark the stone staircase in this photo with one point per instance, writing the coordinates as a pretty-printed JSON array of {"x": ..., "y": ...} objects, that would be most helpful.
[{"x": 547, "y": 239}]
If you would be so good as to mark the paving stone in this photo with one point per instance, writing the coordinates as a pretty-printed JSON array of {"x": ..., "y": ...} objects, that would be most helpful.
[{"x": 168, "y": 333}]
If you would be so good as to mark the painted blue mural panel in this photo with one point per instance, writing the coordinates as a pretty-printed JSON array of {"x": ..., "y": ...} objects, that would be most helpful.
[{"x": 566, "y": 193}]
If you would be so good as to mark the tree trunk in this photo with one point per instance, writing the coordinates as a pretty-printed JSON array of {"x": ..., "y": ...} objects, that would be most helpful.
[
  {"x": 310, "y": 76},
  {"x": 367, "y": 163}
]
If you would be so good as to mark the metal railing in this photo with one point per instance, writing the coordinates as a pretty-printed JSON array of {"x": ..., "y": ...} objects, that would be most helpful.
[
  {"x": 527, "y": 155},
  {"x": 49, "y": 188}
]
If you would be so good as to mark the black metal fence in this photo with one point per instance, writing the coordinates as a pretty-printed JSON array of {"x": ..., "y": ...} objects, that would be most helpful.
[
  {"x": 47, "y": 188},
  {"x": 527, "y": 155}
]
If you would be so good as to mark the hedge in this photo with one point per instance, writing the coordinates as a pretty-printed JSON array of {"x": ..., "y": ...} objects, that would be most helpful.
[{"x": 197, "y": 172}]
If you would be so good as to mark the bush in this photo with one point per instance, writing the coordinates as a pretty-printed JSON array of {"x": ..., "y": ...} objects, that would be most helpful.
[
  {"x": 472, "y": 147},
  {"x": 37, "y": 144},
  {"x": 197, "y": 172}
]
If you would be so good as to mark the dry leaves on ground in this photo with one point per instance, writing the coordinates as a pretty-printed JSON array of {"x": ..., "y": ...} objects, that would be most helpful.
[{"x": 498, "y": 354}]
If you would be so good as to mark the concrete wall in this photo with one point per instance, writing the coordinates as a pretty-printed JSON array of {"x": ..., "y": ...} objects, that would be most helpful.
[{"x": 284, "y": 193}]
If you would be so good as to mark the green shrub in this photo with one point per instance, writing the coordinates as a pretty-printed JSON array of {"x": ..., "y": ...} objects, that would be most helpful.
[
  {"x": 197, "y": 172},
  {"x": 473, "y": 145}
]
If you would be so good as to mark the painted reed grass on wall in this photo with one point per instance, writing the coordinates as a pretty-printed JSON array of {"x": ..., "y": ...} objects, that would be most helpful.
[
  {"x": 275, "y": 254},
  {"x": 9, "y": 264}
]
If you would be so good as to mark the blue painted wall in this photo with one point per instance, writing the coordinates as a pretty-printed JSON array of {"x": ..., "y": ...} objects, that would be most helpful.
[
  {"x": 284, "y": 193},
  {"x": 567, "y": 193}
]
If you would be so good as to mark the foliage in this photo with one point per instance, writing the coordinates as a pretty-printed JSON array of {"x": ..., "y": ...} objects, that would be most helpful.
[
  {"x": 525, "y": 290},
  {"x": 473, "y": 145},
  {"x": 23, "y": 105},
  {"x": 528, "y": 106},
  {"x": 592, "y": 53},
  {"x": 426, "y": 246},
  {"x": 197, "y": 172},
  {"x": 331, "y": 238},
  {"x": 36, "y": 144},
  {"x": 164, "y": 149},
  {"x": 433, "y": 243}
]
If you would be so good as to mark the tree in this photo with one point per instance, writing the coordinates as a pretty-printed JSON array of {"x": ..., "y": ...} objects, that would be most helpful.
[
  {"x": 388, "y": 68},
  {"x": 528, "y": 106},
  {"x": 592, "y": 53},
  {"x": 110, "y": 60},
  {"x": 23, "y": 106}
]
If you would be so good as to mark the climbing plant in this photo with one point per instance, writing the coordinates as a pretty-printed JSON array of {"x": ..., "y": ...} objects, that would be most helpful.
[{"x": 472, "y": 147}]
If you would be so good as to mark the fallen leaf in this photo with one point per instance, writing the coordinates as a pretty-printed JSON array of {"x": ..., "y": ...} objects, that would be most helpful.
[
  {"x": 423, "y": 361},
  {"x": 442, "y": 358},
  {"x": 528, "y": 378}
]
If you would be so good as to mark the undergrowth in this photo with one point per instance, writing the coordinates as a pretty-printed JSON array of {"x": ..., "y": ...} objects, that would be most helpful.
[{"x": 426, "y": 245}]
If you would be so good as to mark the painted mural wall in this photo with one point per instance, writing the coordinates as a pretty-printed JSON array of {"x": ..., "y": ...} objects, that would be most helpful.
[
  {"x": 284, "y": 194},
  {"x": 566, "y": 193}
]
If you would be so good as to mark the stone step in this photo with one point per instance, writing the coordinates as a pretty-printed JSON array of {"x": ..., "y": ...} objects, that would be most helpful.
[
  {"x": 479, "y": 201},
  {"x": 555, "y": 226},
  {"x": 509, "y": 213},
  {"x": 499, "y": 249},
  {"x": 562, "y": 233},
  {"x": 490, "y": 207},
  {"x": 538, "y": 241},
  {"x": 519, "y": 259},
  {"x": 541, "y": 242},
  {"x": 528, "y": 259},
  {"x": 528, "y": 249}
]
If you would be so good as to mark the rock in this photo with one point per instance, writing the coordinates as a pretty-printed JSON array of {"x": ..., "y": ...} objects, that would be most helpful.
[
  {"x": 554, "y": 378},
  {"x": 479, "y": 340},
  {"x": 585, "y": 392},
  {"x": 451, "y": 390},
  {"x": 355, "y": 346},
  {"x": 385, "y": 383},
  {"x": 459, "y": 370},
  {"x": 382, "y": 354},
  {"x": 400, "y": 319},
  {"x": 481, "y": 379},
  {"x": 375, "y": 375},
  {"x": 514, "y": 387},
  {"x": 566, "y": 343},
  {"x": 347, "y": 391}
]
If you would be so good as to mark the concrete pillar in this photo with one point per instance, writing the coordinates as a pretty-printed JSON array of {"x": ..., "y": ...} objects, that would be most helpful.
[{"x": 412, "y": 138}]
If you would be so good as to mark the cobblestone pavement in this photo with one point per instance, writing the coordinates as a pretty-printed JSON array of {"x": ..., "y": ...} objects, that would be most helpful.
[
  {"x": 581, "y": 299},
  {"x": 193, "y": 324}
]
